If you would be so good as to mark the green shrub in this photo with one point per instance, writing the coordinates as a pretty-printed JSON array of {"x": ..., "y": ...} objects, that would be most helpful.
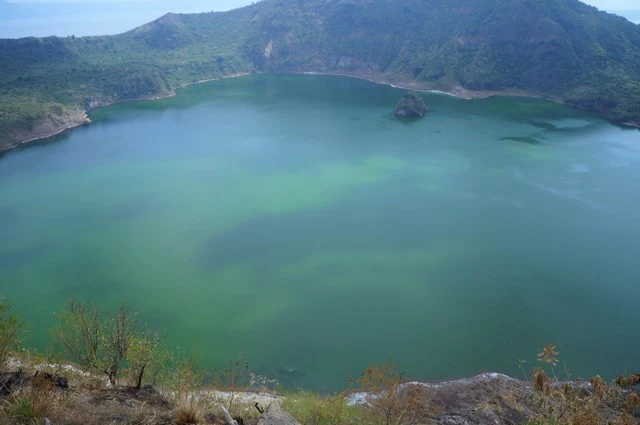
[
  {"x": 11, "y": 329},
  {"x": 313, "y": 409}
]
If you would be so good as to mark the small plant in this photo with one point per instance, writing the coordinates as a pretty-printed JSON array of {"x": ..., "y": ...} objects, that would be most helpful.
[
  {"x": 541, "y": 381},
  {"x": 599, "y": 387},
  {"x": 233, "y": 376},
  {"x": 549, "y": 355},
  {"x": 186, "y": 376},
  {"x": 22, "y": 410},
  {"x": 521, "y": 364},
  {"x": 389, "y": 403},
  {"x": 11, "y": 329}
]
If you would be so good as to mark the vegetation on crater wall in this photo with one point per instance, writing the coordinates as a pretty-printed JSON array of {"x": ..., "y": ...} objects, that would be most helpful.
[{"x": 561, "y": 49}]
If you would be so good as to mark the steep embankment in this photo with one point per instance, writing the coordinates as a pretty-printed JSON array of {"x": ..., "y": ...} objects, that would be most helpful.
[{"x": 558, "y": 49}]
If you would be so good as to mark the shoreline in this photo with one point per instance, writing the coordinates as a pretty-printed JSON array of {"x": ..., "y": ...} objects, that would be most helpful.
[
  {"x": 458, "y": 93},
  {"x": 87, "y": 121},
  {"x": 79, "y": 123},
  {"x": 631, "y": 124},
  {"x": 207, "y": 80},
  {"x": 464, "y": 94},
  {"x": 386, "y": 83}
]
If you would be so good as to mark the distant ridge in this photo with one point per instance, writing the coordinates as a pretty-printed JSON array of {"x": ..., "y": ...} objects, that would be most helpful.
[
  {"x": 632, "y": 15},
  {"x": 557, "y": 49}
]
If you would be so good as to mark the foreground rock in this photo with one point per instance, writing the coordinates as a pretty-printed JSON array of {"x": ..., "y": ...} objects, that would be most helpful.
[
  {"x": 488, "y": 398},
  {"x": 11, "y": 382},
  {"x": 276, "y": 416},
  {"x": 496, "y": 399},
  {"x": 485, "y": 399},
  {"x": 411, "y": 106}
]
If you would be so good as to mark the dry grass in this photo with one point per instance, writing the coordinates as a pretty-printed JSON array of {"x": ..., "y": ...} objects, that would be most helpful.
[
  {"x": 595, "y": 403},
  {"x": 189, "y": 411},
  {"x": 541, "y": 381},
  {"x": 627, "y": 381},
  {"x": 393, "y": 402},
  {"x": 632, "y": 402},
  {"x": 389, "y": 401},
  {"x": 31, "y": 364},
  {"x": 39, "y": 399},
  {"x": 34, "y": 401},
  {"x": 143, "y": 416}
]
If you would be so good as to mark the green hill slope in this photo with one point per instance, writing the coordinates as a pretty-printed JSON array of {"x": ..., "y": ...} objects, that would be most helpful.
[{"x": 560, "y": 49}]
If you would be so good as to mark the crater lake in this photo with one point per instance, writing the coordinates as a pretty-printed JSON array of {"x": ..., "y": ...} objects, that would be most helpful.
[{"x": 295, "y": 219}]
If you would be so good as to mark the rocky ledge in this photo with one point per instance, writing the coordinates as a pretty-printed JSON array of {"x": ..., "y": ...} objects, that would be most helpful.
[
  {"x": 488, "y": 398},
  {"x": 497, "y": 399},
  {"x": 49, "y": 126}
]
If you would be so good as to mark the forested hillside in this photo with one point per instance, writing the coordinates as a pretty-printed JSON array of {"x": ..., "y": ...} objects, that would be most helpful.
[{"x": 560, "y": 49}]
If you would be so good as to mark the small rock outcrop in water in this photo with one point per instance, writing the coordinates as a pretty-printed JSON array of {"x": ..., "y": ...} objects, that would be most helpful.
[{"x": 412, "y": 106}]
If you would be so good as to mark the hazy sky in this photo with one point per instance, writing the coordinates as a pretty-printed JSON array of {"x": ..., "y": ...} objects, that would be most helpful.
[{"x": 21, "y": 18}]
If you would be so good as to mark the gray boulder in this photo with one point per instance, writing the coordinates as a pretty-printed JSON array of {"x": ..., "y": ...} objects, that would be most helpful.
[{"x": 276, "y": 416}]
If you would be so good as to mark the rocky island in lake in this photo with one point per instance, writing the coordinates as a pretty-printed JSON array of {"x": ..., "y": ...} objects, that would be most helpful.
[{"x": 411, "y": 106}]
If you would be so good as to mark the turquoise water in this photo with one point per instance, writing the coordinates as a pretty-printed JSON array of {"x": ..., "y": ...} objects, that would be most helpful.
[{"x": 294, "y": 219}]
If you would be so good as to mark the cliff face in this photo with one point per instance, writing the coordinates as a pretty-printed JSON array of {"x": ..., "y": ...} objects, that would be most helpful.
[{"x": 50, "y": 125}]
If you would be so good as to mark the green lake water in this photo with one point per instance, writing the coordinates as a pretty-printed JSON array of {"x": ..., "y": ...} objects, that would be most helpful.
[{"x": 295, "y": 219}]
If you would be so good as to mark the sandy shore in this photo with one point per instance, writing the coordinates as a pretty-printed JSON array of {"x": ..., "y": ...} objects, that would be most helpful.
[
  {"x": 236, "y": 75},
  {"x": 458, "y": 92}
]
